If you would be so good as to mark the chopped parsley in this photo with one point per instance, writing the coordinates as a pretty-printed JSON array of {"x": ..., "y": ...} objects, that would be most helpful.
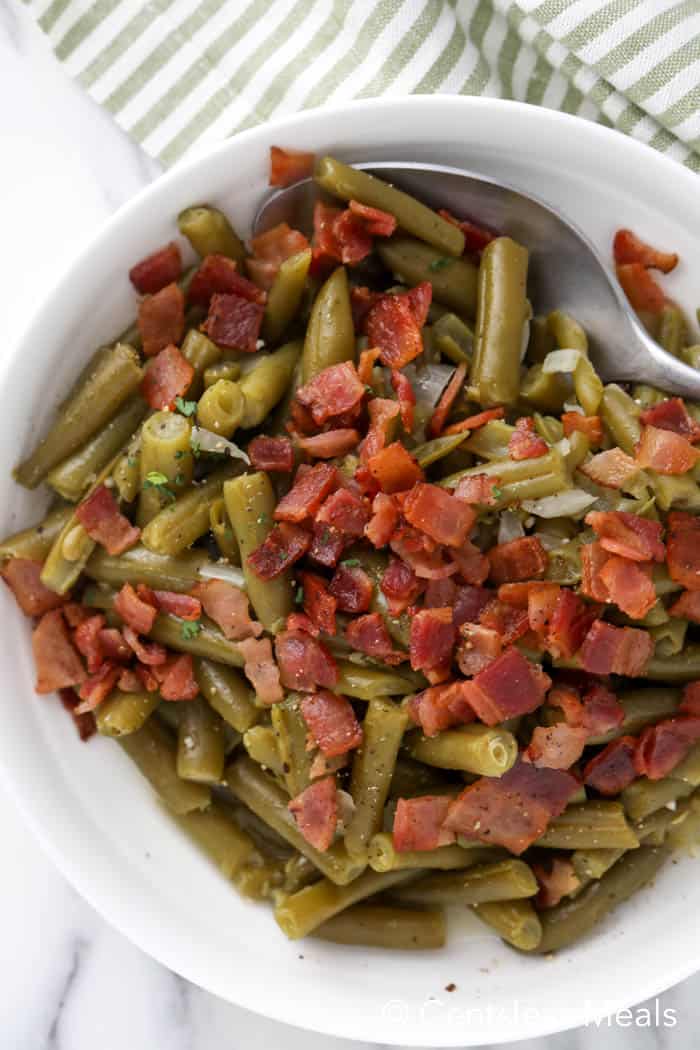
[
  {"x": 179, "y": 454},
  {"x": 263, "y": 519},
  {"x": 190, "y": 629},
  {"x": 159, "y": 481},
  {"x": 131, "y": 461},
  {"x": 440, "y": 264},
  {"x": 299, "y": 595},
  {"x": 495, "y": 491},
  {"x": 185, "y": 408},
  {"x": 179, "y": 479},
  {"x": 195, "y": 446},
  {"x": 351, "y": 563}
]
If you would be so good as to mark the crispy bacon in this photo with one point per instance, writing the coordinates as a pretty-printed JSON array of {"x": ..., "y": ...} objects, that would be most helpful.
[
  {"x": 368, "y": 634},
  {"x": 395, "y": 468},
  {"x": 432, "y": 639},
  {"x": 272, "y": 248},
  {"x": 156, "y": 270},
  {"x": 352, "y": 589},
  {"x": 383, "y": 412},
  {"x": 475, "y": 237},
  {"x": 315, "y": 811},
  {"x": 593, "y": 558},
  {"x": 612, "y": 769},
  {"x": 177, "y": 681},
  {"x": 161, "y": 319},
  {"x": 261, "y": 670},
  {"x": 477, "y": 648},
  {"x": 326, "y": 250},
  {"x": 22, "y": 576},
  {"x": 378, "y": 223},
  {"x": 234, "y": 322},
  {"x": 418, "y": 823},
  {"x": 88, "y": 641},
  {"x": 447, "y": 400},
  {"x": 469, "y": 603},
  {"x": 75, "y": 613},
  {"x": 319, "y": 602},
  {"x": 57, "y": 663},
  {"x": 508, "y": 622},
  {"x": 346, "y": 511},
  {"x": 616, "y": 650},
  {"x": 683, "y": 557},
  {"x": 392, "y": 326},
  {"x": 352, "y": 239},
  {"x": 423, "y": 555},
  {"x": 509, "y": 686},
  {"x": 687, "y": 607},
  {"x": 184, "y": 606},
  {"x": 661, "y": 747},
  {"x": 569, "y": 624},
  {"x": 336, "y": 391},
  {"x": 406, "y": 397},
  {"x": 149, "y": 653},
  {"x": 628, "y": 535},
  {"x": 307, "y": 494},
  {"x": 129, "y": 681},
  {"x": 368, "y": 358},
  {"x": 672, "y": 415},
  {"x": 299, "y": 621},
  {"x": 640, "y": 288},
  {"x": 228, "y": 607},
  {"x": 114, "y": 646},
  {"x": 629, "y": 585},
  {"x": 218, "y": 275},
  {"x": 525, "y": 443},
  {"x": 666, "y": 452},
  {"x": 612, "y": 468},
  {"x": 101, "y": 518},
  {"x": 439, "y": 514},
  {"x": 601, "y": 711},
  {"x": 289, "y": 165},
  {"x": 628, "y": 248},
  {"x": 555, "y": 747},
  {"x": 440, "y": 593},
  {"x": 285, "y": 544},
  {"x": 385, "y": 517},
  {"x": 269, "y": 453},
  {"x": 419, "y": 299},
  {"x": 522, "y": 559},
  {"x": 166, "y": 377},
  {"x": 479, "y": 488},
  {"x": 400, "y": 585},
  {"x": 134, "y": 611},
  {"x": 542, "y": 601},
  {"x": 441, "y": 706},
  {"x": 476, "y": 421},
  {"x": 85, "y": 724},
  {"x": 591, "y": 426},
  {"x": 557, "y": 879},
  {"x": 327, "y": 544},
  {"x": 304, "y": 663},
  {"x": 329, "y": 444},
  {"x": 97, "y": 688},
  {"x": 690, "y": 704},
  {"x": 332, "y": 723}
]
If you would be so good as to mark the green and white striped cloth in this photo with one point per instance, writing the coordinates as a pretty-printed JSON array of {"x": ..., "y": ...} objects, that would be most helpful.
[{"x": 177, "y": 74}]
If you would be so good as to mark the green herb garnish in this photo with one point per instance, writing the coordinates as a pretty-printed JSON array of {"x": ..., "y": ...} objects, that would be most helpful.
[
  {"x": 185, "y": 408},
  {"x": 351, "y": 563},
  {"x": 159, "y": 481},
  {"x": 440, "y": 264},
  {"x": 299, "y": 595},
  {"x": 190, "y": 629},
  {"x": 495, "y": 491},
  {"x": 263, "y": 519},
  {"x": 195, "y": 446}
]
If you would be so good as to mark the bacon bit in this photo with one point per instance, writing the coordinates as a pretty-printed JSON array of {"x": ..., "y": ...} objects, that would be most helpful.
[
  {"x": 613, "y": 468},
  {"x": 400, "y": 585},
  {"x": 330, "y": 444},
  {"x": 616, "y": 650},
  {"x": 22, "y": 576},
  {"x": 522, "y": 559},
  {"x": 228, "y": 607},
  {"x": 307, "y": 494},
  {"x": 509, "y": 686},
  {"x": 513, "y": 810},
  {"x": 332, "y": 723},
  {"x": 601, "y": 711},
  {"x": 129, "y": 681},
  {"x": 304, "y": 663},
  {"x": 134, "y": 611},
  {"x": 555, "y": 747},
  {"x": 508, "y": 622},
  {"x": 352, "y": 589},
  {"x": 440, "y": 593},
  {"x": 475, "y": 237},
  {"x": 299, "y": 621},
  {"x": 382, "y": 413},
  {"x": 613, "y": 768},
  {"x": 101, "y": 518},
  {"x": 419, "y": 299},
  {"x": 683, "y": 556},
  {"x": 385, "y": 518},
  {"x": 518, "y": 594},
  {"x": 161, "y": 319},
  {"x": 319, "y": 602},
  {"x": 284, "y": 545},
  {"x": 406, "y": 398},
  {"x": 113, "y": 646},
  {"x": 557, "y": 879},
  {"x": 418, "y": 823},
  {"x": 97, "y": 688},
  {"x": 666, "y": 452},
  {"x": 392, "y": 326},
  {"x": 166, "y": 377},
  {"x": 156, "y": 270},
  {"x": 629, "y": 586},
  {"x": 234, "y": 322},
  {"x": 447, "y": 400},
  {"x": 353, "y": 242},
  {"x": 149, "y": 653},
  {"x": 57, "y": 662},
  {"x": 591, "y": 426},
  {"x": 368, "y": 634},
  {"x": 178, "y": 682},
  {"x": 377, "y": 223},
  {"x": 690, "y": 704},
  {"x": 469, "y": 603},
  {"x": 261, "y": 670},
  {"x": 472, "y": 565},
  {"x": 146, "y": 677},
  {"x": 524, "y": 442},
  {"x": 628, "y": 248},
  {"x": 687, "y": 607},
  {"x": 628, "y": 535},
  {"x": 440, "y": 707},
  {"x": 640, "y": 288},
  {"x": 439, "y": 514},
  {"x": 326, "y": 250},
  {"x": 288, "y": 166},
  {"x": 432, "y": 639},
  {"x": 479, "y": 488},
  {"x": 474, "y": 422},
  {"x": 368, "y": 357},
  {"x": 327, "y": 545},
  {"x": 346, "y": 511},
  {"x": 218, "y": 275},
  {"x": 182, "y": 605},
  {"x": 274, "y": 247},
  {"x": 569, "y": 624},
  {"x": 661, "y": 747},
  {"x": 276, "y": 454},
  {"x": 315, "y": 811},
  {"x": 478, "y": 648},
  {"x": 85, "y": 724},
  {"x": 593, "y": 558},
  {"x": 146, "y": 594},
  {"x": 336, "y": 391},
  {"x": 88, "y": 643},
  {"x": 542, "y": 600},
  {"x": 423, "y": 555},
  {"x": 674, "y": 416},
  {"x": 395, "y": 468},
  {"x": 75, "y": 613}
]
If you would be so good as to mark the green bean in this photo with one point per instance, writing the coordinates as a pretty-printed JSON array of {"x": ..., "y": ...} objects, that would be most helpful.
[
  {"x": 220, "y": 838},
  {"x": 519, "y": 479},
  {"x": 500, "y": 315},
  {"x": 203, "y": 355},
  {"x": 684, "y": 829},
  {"x": 72, "y": 478},
  {"x": 412, "y": 778},
  {"x": 299, "y": 872},
  {"x": 36, "y": 542},
  {"x": 383, "y": 856},
  {"x": 515, "y": 921},
  {"x": 491, "y": 440},
  {"x": 260, "y": 883},
  {"x": 220, "y": 408},
  {"x": 230, "y": 370},
  {"x": 652, "y": 830},
  {"x": 672, "y": 329},
  {"x": 123, "y": 713},
  {"x": 228, "y": 693},
  {"x": 669, "y": 637},
  {"x": 380, "y": 926},
  {"x": 166, "y": 463},
  {"x": 179, "y": 524},
  {"x": 688, "y": 769},
  {"x": 269, "y": 802},
  {"x": 567, "y": 332},
  {"x": 541, "y": 341},
  {"x": 250, "y": 503},
  {"x": 479, "y": 749},
  {"x": 223, "y": 533},
  {"x": 300, "y": 913},
  {"x": 139, "y": 565},
  {"x": 200, "y": 743},
  {"x": 261, "y": 744},
  {"x": 574, "y": 917},
  {"x": 366, "y": 683},
  {"x": 620, "y": 415},
  {"x": 372, "y": 769},
  {"x": 210, "y": 233},
  {"x": 544, "y": 390},
  {"x": 154, "y": 754},
  {"x": 642, "y": 707},
  {"x": 284, "y": 298},
  {"x": 504, "y": 880},
  {"x": 127, "y": 470},
  {"x": 208, "y": 641},
  {"x": 590, "y": 825},
  {"x": 291, "y": 733},
  {"x": 268, "y": 381},
  {"x": 677, "y": 492},
  {"x": 114, "y": 379},
  {"x": 453, "y": 338},
  {"x": 330, "y": 335},
  {"x": 644, "y": 796},
  {"x": 430, "y": 451},
  {"x": 453, "y": 281},
  {"x": 415, "y": 218},
  {"x": 593, "y": 863},
  {"x": 647, "y": 396},
  {"x": 683, "y": 667},
  {"x": 691, "y": 356}
]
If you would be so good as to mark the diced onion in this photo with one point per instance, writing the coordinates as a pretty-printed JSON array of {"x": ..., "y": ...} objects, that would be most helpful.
[
  {"x": 562, "y": 505},
  {"x": 563, "y": 446},
  {"x": 561, "y": 361},
  {"x": 208, "y": 441},
  {"x": 428, "y": 382},
  {"x": 573, "y": 406},
  {"x": 221, "y": 570},
  {"x": 510, "y": 527}
]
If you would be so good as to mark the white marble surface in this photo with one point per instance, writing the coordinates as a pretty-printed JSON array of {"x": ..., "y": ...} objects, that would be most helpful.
[{"x": 69, "y": 982}]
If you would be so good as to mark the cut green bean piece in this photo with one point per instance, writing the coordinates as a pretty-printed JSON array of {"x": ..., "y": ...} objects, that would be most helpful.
[
  {"x": 124, "y": 713},
  {"x": 291, "y": 733},
  {"x": 366, "y": 683},
  {"x": 430, "y": 451},
  {"x": 166, "y": 463},
  {"x": 284, "y": 298},
  {"x": 593, "y": 863},
  {"x": 210, "y": 233},
  {"x": 620, "y": 414},
  {"x": 382, "y": 855},
  {"x": 544, "y": 476},
  {"x": 200, "y": 743},
  {"x": 485, "y": 751},
  {"x": 216, "y": 833},
  {"x": 683, "y": 667},
  {"x": 228, "y": 693},
  {"x": 330, "y": 334},
  {"x": 261, "y": 744},
  {"x": 567, "y": 332},
  {"x": 203, "y": 355},
  {"x": 267, "y": 383},
  {"x": 453, "y": 281},
  {"x": 643, "y": 797},
  {"x": 590, "y": 825},
  {"x": 36, "y": 542},
  {"x": 381, "y": 926},
  {"x": 501, "y": 312},
  {"x": 223, "y": 532},
  {"x": 516, "y": 922},
  {"x": 221, "y": 407},
  {"x": 179, "y": 524},
  {"x": 689, "y": 769},
  {"x": 642, "y": 707},
  {"x": 230, "y": 370},
  {"x": 672, "y": 329},
  {"x": 505, "y": 880},
  {"x": 139, "y": 565},
  {"x": 684, "y": 829},
  {"x": 679, "y": 492},
  {"x": 154, "y": 754}
]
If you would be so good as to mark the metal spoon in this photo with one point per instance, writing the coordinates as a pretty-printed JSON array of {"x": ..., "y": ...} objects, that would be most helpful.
[{"x": 566, "y": 270}]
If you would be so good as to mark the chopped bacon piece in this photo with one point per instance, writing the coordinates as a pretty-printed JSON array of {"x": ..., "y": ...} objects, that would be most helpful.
[
  {"x": 85, "y": 724},
  {"x": 432, "y": 639},
  {"x": 518, "y": 594},
  {"x": 522, "y": 559},
  {"x": 683, "y": 543},
  {"x": 88, "y": 642},
  {"x": 441, "y": 706},
  {"x": 227, "y": 606},
  {"x": 101, "y": 518},
  {"x": 304, "y": 662},
  {"x": 113, "y": 645},
  {"x": 307, "y": 493},
  {"x": 423, "y": 555},
  {"x": 22, "y": 576},
  {"x": 218, "y": 275},
  {"x": 440, "y": 593},
  {"x": 319, "y": 602},
  {"x": 383, "y": 412},
  {"x": 352, "y": 589},
  {"x": 385, "y": 518},
  {"x": 525, "y": 443},
  {"x": 509, "y": 686},
  {"x": 628, "y": 535},
  {"x": 156, "y": 270},
  {"x": 666, "y": 452},
  {"x": 542, "y": 601},
  {"x": 327, "y": 544},
  {"x": 149, "y": 653},
  {"x": 315, "y": 811},
  {"x": 299, "y": 621},
  {"x": 476, "y": 421},
  {"x": 289, "y": 165},
  {"x": 178, "y": 682},
  {"x": 167, "y": 377},
  {"x": 332, "y": 723},
  {"x": 274, "y": 246},
  {"x": 182, "y": 605},
  {"x": 261, "y": 670},
  {"x": 368, "y": 634},
  {"x": 336, "y": 391},
  {"x": 447, "y": 400},
  {"x": 147, "y": 594},
  {"x": 75, "y": 613},
  {"x": 56, "y": 660},
  {"x": 469, "y": 603},
  {"x": 569, "y": 624},
  {"x": 161, "y": 319},
  {"x": 147, "y": 678},
  {"x": 395, "y": 468},
  {"x": 661, "y": 747},
  {"x": 475, "y": 237},
  {"x": 472, "y": 565},
  {"x": 234, "y": 322},
  {"x": 674, "y": 416},
  {"x": 613, "y": 768},
  {"x": 640, "y": 288},
  {"x": 326, "y": 250},
  {"x": 616, "y": 650},
  {"x": 629, "y": 585},
  {"x": 601, "y": 711},
  {"x": 690, "y": 704},
  {"x": 557, "y": 879},
  {"x": 479, "y": 488},
  {"x": 612, "y": 468},
  {"x": 591, "y": 426},
  {"x": 508, "y": 622},
  {"x": 438, "y": 513},
  {"x": 330, "y": 444},
  {"x": 97, "y": 688},
  {"x": 556, "y": 747},
  {"x": 406, "y": 398},
  {"x": 129, "y": 681},
  {"x": 353, "y": 241},
  {"x": 628, "y": 248},
  {"x": 138, "y": 614},
  {"x": 276, "y": 454},
  {"x": 593, "y": 558},
  {"x": 418, "y": 823},
  {"x": 392, "y": 326},
  {"x": 478, "y": 647},
  {"x": 284, "y": 545},
  {"x": 513, "y": 810},
  {"x": 419, "y": 299},
  {"x": 346, "y": 511},
  {"x": 377, "y": 223},
  {"x": 368, "y": 358},
  {"x": 687, "y": 606},
  {"x": 400, "y": 585}
]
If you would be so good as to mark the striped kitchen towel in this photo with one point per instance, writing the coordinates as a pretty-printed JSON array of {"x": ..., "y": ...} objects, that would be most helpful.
[{"x": 177, "y": 74}]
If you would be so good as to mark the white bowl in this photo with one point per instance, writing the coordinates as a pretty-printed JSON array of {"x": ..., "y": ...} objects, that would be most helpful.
[{"x": 89, "y": 806}]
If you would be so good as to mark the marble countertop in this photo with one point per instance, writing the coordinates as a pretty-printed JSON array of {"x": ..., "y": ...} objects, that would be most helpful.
[{"x": 69, "y": 981}]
